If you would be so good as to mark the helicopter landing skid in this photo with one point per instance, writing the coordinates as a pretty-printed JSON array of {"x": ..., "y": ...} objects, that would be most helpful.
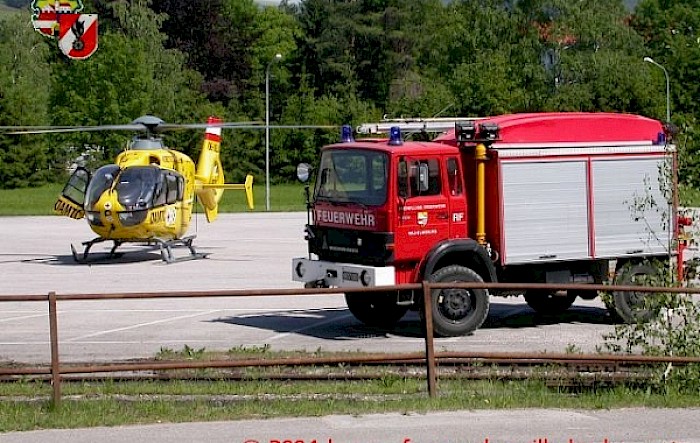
[
  {"x": 166, "y": 249},
  {"x": 83, "y": 258}
]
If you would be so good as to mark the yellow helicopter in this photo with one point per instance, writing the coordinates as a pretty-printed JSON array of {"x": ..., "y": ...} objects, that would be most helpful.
[{"x": 148, "y": 194}]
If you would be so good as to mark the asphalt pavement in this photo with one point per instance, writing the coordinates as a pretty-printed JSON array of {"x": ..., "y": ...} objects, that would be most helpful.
[{"x": 483, "y": 426}]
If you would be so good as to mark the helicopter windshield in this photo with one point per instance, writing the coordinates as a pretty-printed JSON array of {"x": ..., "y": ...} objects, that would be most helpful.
[
  {"x": 141, "y": 187},
  {"x": 101, "y": 181}
]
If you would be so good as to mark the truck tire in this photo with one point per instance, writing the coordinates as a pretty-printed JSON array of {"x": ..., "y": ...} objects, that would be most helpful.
[
  {"x": 375, "y": 309},
  {"x": 549, "y": 303},
  {"x": 629, "y": 306},
  {"x": 458, "y": 311}
]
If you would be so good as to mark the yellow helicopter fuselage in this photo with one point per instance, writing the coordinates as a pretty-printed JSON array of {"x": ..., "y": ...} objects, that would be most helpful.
[{"x": 167, "y": 217}]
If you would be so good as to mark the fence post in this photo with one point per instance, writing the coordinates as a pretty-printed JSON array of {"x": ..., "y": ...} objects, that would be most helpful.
[
  {"x": 429, "y": 347},
  {"x": 55, "y": 366}
]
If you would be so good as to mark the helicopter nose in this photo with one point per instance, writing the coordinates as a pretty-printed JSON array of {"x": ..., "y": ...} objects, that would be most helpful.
[
  {"x": 101, "y": 212},
  {"x": 94, "y": 218}
]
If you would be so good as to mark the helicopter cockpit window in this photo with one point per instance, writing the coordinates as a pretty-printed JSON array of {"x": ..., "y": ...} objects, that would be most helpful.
[
  {"x": 180, "y": 187},
  {"x": 102, "y": 180},
  {"x": 160, "y": 193},
  {"x": 140, "y": 187},
  {"x": 172, "y": 184}
]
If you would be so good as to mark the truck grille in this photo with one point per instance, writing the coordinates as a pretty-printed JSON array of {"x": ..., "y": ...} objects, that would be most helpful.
[{"x": 350, "y": 246}]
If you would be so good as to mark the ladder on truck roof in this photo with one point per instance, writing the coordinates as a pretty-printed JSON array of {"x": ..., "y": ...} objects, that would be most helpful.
[{"x": 441, "y": 124}]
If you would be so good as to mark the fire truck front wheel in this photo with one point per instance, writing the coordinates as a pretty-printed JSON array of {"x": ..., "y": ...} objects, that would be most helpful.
[
  {"x": 376, "y": 308},
  {"x": 458, "y": 311}
]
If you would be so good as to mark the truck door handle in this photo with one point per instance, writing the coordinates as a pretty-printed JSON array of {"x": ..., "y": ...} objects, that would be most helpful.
[{"x": 442, "y": 216}]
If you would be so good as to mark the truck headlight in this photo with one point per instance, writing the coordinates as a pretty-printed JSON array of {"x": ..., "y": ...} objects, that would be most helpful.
[
  {"x": 300, "y": 270},
  {"x": 365, "y": 278}
]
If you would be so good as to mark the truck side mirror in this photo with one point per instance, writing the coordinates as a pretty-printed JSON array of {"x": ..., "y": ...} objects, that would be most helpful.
[
  {"x": 422, "y": 177},
  {"x": 303, "y": 172}
]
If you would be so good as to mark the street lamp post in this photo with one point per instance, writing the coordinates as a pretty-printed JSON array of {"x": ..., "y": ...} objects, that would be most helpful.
[
  {"x": 267, "y": 130},
  {"x": 668, "y": 87},
  {"x": 673, "y": 203}
]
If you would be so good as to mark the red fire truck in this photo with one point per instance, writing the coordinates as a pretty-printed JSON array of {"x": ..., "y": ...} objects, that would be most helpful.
[{"x": 521, "y": 198}]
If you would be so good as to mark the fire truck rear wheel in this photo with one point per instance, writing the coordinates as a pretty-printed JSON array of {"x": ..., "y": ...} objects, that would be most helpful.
[
  {"x": 376, "y": 308},
  {"x": 549, "y": 303},
  {"x": 458, "y": 311},
  {"x": 630, "y": 306}
]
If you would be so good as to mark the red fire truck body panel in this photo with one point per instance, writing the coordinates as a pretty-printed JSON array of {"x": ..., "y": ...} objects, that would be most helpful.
[{"x": 556, "y": 140}]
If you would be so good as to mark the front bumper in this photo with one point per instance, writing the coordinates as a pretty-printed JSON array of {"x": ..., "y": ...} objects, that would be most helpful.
[{"x": 341, "y": 275}]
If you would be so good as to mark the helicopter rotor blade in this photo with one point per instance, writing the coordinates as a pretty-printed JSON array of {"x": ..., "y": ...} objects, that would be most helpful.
[
  {"x": 30, "y": 127},
  {"x": 66, "y": 129},
  {"x": 304, "y": 126},
  {"x": 228, "y": 125},
  {"x": 152, "y": 125}
]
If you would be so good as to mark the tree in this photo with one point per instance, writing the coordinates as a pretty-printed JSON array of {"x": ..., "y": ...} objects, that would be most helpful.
[
  {"x": 130, "y": 75},
  {"x": 295, "y": 146},
  {"x": 484, "y": 57},
  {"x": 18, "y": 3},
  {"x": 592, "y": 57},
  {"x": 216, "y": 36},
  {"x": 671, "y": 31},
  {"x": 25, "y": 80},
  {"x": 326, "y": 48}
]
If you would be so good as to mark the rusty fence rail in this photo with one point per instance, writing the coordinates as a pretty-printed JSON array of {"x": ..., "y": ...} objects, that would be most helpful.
[{"x": 429, "y": 357}]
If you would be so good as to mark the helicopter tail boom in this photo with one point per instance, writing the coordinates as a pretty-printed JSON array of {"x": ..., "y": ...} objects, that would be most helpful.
[{"x": 210, "y": 174}]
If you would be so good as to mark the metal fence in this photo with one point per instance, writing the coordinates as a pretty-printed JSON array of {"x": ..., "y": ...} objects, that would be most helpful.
[{"x": 58, "y": 369}]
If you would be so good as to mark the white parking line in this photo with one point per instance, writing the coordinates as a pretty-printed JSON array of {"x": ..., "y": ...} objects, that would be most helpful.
[
  {"x": 139, "y": 325},
  {"x": 24, "y": 317}
]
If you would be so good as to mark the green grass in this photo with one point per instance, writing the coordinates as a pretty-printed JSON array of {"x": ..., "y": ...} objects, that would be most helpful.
[
  {"x": 29, "y": 201},
  {"x": 25, "y": 404},
  {"x": 112, "y": 404},
  {"x": 40, "y": 200},
  {"x": 283, "y": 197}
]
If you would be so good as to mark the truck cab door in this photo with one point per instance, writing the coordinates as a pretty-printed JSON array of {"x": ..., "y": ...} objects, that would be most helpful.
[
  {"x": 457, "y": 202},
  {"x": 71, "y": 202},
  {"x": 423, "y": 206}
]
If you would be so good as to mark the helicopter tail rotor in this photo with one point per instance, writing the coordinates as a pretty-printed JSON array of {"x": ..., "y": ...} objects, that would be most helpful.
[
  {"x": 248, "y": 186},
  {"x": 210, "y": 173}
]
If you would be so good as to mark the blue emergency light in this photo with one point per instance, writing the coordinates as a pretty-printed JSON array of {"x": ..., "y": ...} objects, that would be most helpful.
[
  {"x": 395, "y": 138},
  {"x": 346, "y": 134},
  {"x": 661, "y": 138}
]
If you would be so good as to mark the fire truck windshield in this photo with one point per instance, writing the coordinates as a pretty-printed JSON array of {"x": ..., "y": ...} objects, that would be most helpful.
[{"x": 352, "y": 177}]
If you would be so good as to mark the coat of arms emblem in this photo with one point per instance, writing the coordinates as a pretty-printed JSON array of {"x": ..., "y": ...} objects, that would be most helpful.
[{"x": 61, "y": 19}]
